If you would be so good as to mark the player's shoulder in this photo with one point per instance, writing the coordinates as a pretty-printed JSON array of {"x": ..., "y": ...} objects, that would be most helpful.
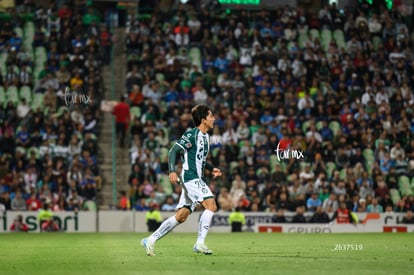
[
  {"x": 190, "y": 133},
  {"x": 187, "y": 140}
]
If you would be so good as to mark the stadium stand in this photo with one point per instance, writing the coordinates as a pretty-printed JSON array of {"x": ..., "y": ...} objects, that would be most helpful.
[
  {"x": 333, "y": 85},
  {"x": 50, "y": 62}
]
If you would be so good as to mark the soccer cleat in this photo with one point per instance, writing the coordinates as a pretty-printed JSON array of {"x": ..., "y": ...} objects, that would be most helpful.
[
  {"x": 148, "y": 246},
  {"x": 202, "y": 248}
]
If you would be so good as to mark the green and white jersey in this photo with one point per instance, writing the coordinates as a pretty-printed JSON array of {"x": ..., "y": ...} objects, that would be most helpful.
[{"x": 195, "y": 145}]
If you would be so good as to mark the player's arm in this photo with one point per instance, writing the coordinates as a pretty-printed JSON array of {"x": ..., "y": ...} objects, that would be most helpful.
[
  {"x": 172, "y": 157},
  {"x": 214, "y": 170}
]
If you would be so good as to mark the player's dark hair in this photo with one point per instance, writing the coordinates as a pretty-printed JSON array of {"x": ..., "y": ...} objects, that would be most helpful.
[{"x": 199, "y": 112}]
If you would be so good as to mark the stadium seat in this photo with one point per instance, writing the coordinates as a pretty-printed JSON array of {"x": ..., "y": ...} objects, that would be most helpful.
[
  {"x": 89, "y": 205},
  {"x": 26, "y": 93},
  {"x": 395, "y": 195},
  {"x": 339, "y": 37},
  {"x": 37, "y": 101},
  {"x": 305, "y": 126},
  {"x": 35, "y": 150},
  {"x": 369, "y": 165},
  {"x": 195, "y": 55},
  {"x": 342, "y": 174},
  {"x": 28, "y": 30},
  {"x": 314, "y": 33},
  {"x": 160, "y": 77},
  {"x": 163, "y": 153},
  {"x": 247, "y": 72},
  {"x": 368, "y": 154},
  {"x": 135, "y": 112},
  {"x": 233, "y": 165},
  {"x": 412, "y": 184},
  {"x": 376, "y": 41},
  {"x": 404, "y": 187},
  {"x": 302, "y": 38},
  {"x": 319, "y": 125},
  {"x": 40, "y": 52},
  {"x": 273, "y": 161},
  {"x": 335, "y": 127},
  {"x": 61, "y": 110},
  {"x": 12, "y": 95},
  {"x": 21, "y": 149},
  {"x": 19, "y": 31},
  {"x": 2, "y": 96},
  {"x": 164, "y": 181},
  {"x": 330, "y": 168},
  {"x": 326, "y": 37},
  {"x": 303, "y": 165},
  {"x": 290, "y": 45},
  {"x": 403, "y": 182},
  {"x": 215, "y": 152}
]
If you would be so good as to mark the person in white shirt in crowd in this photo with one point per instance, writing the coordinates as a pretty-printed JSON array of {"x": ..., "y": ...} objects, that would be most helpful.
[
  {"x": 22, "y": 109},
  {"x": 397, "y": 150}
]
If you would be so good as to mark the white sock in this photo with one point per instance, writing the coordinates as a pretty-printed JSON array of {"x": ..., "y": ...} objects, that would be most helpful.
[
  {"x": 204, "y": 225},
  {"x": 168, "y": 225}
]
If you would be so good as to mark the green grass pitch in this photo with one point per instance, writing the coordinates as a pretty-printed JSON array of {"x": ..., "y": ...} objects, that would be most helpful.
[{"x": 234, "y": 253}]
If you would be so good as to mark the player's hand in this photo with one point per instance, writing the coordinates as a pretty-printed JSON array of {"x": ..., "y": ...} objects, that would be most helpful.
[
  {"x": 173, "y": 177},
  {"x": 216, "y": 173}
]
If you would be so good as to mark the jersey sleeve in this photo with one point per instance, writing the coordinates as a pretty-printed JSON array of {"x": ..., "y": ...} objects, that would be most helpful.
[{"x": 186, "y": 142}]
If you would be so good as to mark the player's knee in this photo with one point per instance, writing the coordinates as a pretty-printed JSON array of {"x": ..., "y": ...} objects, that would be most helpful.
[
  {"x": 182, "y": 215},
  {"x": 181, "y": 219}
]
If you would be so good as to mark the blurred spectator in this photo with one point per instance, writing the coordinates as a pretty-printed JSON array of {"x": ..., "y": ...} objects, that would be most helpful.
[
  {"x": 122, "y": 114},
  {"x": 18, "y": 225},
  {"x": 319, "y": 216},
  {"x": 33, "y": 203},
  {"x": 124, "y": 203},
  {"x": 408, "y": 218},
  {"x": 279, "y": 217},
  {"x": 237, "y": 190},
  {"x": 169, "y": 205},
  {"x": 374, "y": 207},
  {"x": 45, "y": 217},
  {"x": 51, "y": 130},
  {"x": 313, "y": 202},
  {"x": 342, "y": 215},
  {"x": 237, "y": 219},
  {"x": 5, "y": 202},
  {"x": 330, "y": 205},
  {"x": 225, "y": 200},
  {"x": 18, "y": 203},
  {"x": 153, "y": 218},
  {"x": 299, "y": 216}
]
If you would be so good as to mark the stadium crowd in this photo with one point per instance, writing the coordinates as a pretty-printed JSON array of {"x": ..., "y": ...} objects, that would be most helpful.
[
  {"x": 50, "y": 90},
  {"x": 334, "y": 86}
]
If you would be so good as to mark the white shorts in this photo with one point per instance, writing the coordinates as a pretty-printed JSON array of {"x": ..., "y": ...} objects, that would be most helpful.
[{"x": 194, "y": 192}]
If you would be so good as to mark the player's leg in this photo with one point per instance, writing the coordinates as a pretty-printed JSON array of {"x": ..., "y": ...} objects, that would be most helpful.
[
  {"x": 169, "y": 224},
  {"x": 165, "y": 227},
  {"x": 205, "y": 221},
  {"x": 184, "y": 206}
]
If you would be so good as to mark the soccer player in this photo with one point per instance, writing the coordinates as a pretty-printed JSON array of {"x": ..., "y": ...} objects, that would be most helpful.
[{"x": 195, "y": 146}]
